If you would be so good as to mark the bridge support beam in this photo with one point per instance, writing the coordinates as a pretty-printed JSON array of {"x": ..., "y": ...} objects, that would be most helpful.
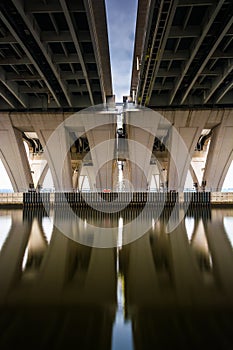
[
  {"x": 13, "y": 155},
  {"x": 101, "y": 142},
  {"x": 220, "y": 153},
  {"x": 188, "y": 126},
  {"x": 101, "y": 133},
  {"x": 141, "y": 137},
  {"x": 56, "y": 149}
]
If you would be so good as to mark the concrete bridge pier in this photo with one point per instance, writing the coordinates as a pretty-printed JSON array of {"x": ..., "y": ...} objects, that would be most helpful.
[
  {"x": 13, "y": 155},
  {"x": 141, "y": 129},
  {"x": 101, "y": 133},
  {"x": 57, "y": 154},
  {"x": 220, "y": 153},
  {"x": 184, "y": 135}
]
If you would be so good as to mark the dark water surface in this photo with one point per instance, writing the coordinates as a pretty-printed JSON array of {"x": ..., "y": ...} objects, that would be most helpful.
[{"x": 162, "y": 291}]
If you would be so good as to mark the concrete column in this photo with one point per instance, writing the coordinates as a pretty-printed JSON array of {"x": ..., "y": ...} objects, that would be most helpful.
[
  {"x": 57, "y": 154},
  {"x": 75, "y": 178},
  {"x": 139, "y": 157},
  {"x": 13, "y": 155},
  {"x": 12, "y": 253},
  {"x": 141, "y": 128},
  {"x": 82, "y": 169},
  {"x": 187, "y": 128},
  {"x": 102, "y": 155},
  {"x": 220, "y": 153},
  {"x": 101, "y": 133}
]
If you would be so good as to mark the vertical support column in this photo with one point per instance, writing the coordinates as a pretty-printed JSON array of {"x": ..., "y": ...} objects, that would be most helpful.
[
  {"x": 183, "y": 139},
  {"x": 102, "y": 141},
  {"x": 75, "y": 178},
  {"x": 142, "y": 127},
  {"x": 139, "y": 159},
  {"x": 58, "y": 156},
  {"x": 220, "y": 153},
  {"x": 83, "y": 170},
  {"x": 13, "y": 155}
]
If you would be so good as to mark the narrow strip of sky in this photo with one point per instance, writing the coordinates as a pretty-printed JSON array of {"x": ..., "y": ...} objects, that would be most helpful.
[{"x": 121, "y": 20}]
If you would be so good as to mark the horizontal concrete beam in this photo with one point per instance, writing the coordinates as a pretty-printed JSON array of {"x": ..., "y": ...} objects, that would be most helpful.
[
  {"x": 64, "y": 36},
  {"x": 35, "y": 6}
]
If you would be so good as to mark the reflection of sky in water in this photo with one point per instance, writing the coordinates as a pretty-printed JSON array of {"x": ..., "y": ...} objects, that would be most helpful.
[
  {"x": 189, "y": 225},
  {"x": 5, "y": 225},
  {"x": 47, "y": 225},
  {"x": 122, "y": 337},
  {"x": 199, "y": 240},
  {"x": 228, "y": 226},
  {"x": 39, "y": 239},
  {"x": 25, "y": 258}
]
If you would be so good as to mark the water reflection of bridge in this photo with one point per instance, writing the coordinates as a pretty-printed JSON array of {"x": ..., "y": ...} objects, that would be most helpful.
[{"x": 178, "y": 283}]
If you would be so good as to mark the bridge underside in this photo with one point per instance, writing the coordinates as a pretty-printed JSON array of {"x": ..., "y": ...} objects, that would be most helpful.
[
  {"x": 54, "y": 61},
  {"x": 54, "y": 55},
  {"x": 156, "y": 147},
  {"x": 183, "y": 54}
]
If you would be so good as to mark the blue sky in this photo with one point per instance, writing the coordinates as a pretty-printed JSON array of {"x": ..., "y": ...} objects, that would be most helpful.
[{"x": 121, "y": 18}]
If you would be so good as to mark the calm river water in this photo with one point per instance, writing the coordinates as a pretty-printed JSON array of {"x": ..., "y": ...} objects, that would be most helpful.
[{"x": 161, "y": 291}]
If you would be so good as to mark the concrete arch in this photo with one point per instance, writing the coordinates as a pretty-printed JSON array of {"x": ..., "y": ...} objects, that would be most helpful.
[
  {"x": 57, "y": 157},
  {"x": 228, "y": 174},
  {"x": 141, "y": 134},
  {"x": 8, "y": 171},
  {"x": 188, "y": 125},
  {"x": 102, "y": 161},
  {"x": 220, "y": 153},
  {"x": 225, "y": 170},
  {"x": 13, "y": 155}
]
